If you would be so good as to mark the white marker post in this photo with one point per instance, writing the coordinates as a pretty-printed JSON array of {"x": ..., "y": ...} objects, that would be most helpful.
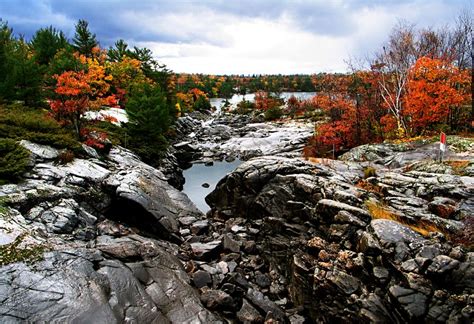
[{"x": 442, "y": 146}]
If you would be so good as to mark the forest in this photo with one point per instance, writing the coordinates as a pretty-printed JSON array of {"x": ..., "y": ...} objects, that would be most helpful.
[{"x": 417, "y": 84}]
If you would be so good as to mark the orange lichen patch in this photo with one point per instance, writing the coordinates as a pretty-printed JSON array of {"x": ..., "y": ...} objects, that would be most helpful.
[
  {"x": 324, "y": 256},
  {"x": 343, "y": 256},
  {"x": 325, "y": 265},
  {"x": 367, "y": 186},
  {"x": 379, "y": 211},
  {"x": 317, "y": 243}
]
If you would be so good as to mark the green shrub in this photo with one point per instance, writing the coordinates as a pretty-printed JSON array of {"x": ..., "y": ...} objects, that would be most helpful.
[
  {"x": 369, "y": 172},
  {"x": 150, "y": 152},
  {"x": 244, "y": 107},
  {"x": 12, "y": 252},
  {"x": 202, "y": 104},
  {"x": 18, "y": 122},
  {"x": 273, "y": 113},
  {"x": 65, "y": 157},
  {"x": 116, "y": 134},
  {"x": 60, "y": 140},
  {"x": 3, "y": 205},
  {"x": 14, "y": 160}
]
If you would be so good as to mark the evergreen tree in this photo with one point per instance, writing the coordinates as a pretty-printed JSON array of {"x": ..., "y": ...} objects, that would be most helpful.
[
  {"x": 116, "y": 54},
  {"x": 46, "y": 43},
  {"x": 149, "y": 119},
  {"x": 5, "y": 43},
  {"x": 307, "y": 85},
  {"x": 84, "y": 41},
  {"x": 23, "y": 77},
  {"x": 202, "y": 104},
  {"x": 226, "y": 90}
]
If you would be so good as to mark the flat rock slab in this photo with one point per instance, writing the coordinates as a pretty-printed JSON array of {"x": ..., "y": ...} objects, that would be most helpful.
[
  {"x": 332, "y": 207},
  {"x": 391, "y": 232},
  {"x": 81, "y": 286},
  {"x": 206, "y": 250},
  {"x": 41, "y": 151},
  {"x": 85, "y": 169}
]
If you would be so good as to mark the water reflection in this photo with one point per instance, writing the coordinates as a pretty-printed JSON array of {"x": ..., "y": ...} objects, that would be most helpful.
[
  {"x": 200, "y": 174},
  {"x": 236, "y": 98}
]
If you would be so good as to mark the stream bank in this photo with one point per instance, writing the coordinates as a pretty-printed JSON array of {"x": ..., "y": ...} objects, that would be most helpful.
[{"x": 212, "y": 146}]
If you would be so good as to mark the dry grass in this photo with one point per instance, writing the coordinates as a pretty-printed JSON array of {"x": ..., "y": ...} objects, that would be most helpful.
[
  {"x": 410, "y": 139},
  {"x": 425, "y": 228},
  {"x": 369, "y": 172},
  {"x": 323, "y": 161},
  {"x": 367, "y": 186},
  {"x": 380, "y": 211},
  {"x": 458, "y": 166},
  {"x": 65, "y": 157}
]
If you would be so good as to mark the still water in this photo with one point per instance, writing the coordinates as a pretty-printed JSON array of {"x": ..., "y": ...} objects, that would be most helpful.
[
  {"x": 199, "y": 174},
  {"x": 236, "y": 98}
]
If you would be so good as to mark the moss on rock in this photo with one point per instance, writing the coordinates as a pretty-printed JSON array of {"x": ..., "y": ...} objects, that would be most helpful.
[{"x": 10, "y": 253}]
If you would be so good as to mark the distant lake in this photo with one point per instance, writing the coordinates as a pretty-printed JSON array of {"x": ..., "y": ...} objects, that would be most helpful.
[
  {"x": 198, "y": 174},
  {"x": 236, "y": 98}
]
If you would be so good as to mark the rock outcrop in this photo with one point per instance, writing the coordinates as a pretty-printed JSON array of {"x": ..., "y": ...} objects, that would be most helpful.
[
  {"x": 287, "y": 240},
  {"x": 94, "y": 241},
  {"x": 310, "y": 242},
  {"x": 237, "y": 136}
]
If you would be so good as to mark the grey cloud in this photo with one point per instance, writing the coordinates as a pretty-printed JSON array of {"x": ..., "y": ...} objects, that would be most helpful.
[
  {"x": 103, "y": 16},
  {"x": 115, "y": 19},
  {"x": 323, "y": 17}
]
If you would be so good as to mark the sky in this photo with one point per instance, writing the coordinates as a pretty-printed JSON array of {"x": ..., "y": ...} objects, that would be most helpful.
[{"x": 238, "y": 36}]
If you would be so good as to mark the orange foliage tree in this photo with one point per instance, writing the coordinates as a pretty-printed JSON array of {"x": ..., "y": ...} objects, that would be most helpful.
[
  {"x": 265, "y": 101},
  {"x": 338, "y": 132},
  {"x": 127, "y": 74},
  {"x": 293, "y": 106},
  {"x": 352, "y": 110},
  {"x": 191, "y": 100},
  {"x": 77, "y": 92},
  {"x": 436, "y": 91}
]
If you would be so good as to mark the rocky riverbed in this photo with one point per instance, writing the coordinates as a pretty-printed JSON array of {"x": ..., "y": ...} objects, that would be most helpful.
[
  {"x": 236, "y": 136},
  {"x": 286, "y": 241}
]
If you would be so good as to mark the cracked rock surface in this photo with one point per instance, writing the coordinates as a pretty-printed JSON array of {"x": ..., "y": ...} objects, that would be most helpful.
[
  {"x": 91, "y": 242},
  {"x": 286, "y": 241}
]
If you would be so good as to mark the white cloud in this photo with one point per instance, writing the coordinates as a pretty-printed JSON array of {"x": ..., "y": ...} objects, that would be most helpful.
[
  {"x": 224, "y": 43},
  {"x": 247, "y": 36},
  {"x": 255, "y": 45}
]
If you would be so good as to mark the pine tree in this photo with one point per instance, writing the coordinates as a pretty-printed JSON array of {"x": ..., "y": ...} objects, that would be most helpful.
[
  {"x": 116, "y": 54},
  {"x": 149, "y": 119},
  {"x": 84, "y": 41},
  {"x": 5, "y": 44},
  {"x": 23, "y": 76},
  {"x": 46, "y": 43}
]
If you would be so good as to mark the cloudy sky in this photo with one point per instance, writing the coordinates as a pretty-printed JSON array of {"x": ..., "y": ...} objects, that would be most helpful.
[{"x": 238, "y": 37}]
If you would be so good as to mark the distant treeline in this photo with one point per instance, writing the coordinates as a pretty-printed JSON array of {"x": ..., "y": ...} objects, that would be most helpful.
[{"x": 224, "y": 86}]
